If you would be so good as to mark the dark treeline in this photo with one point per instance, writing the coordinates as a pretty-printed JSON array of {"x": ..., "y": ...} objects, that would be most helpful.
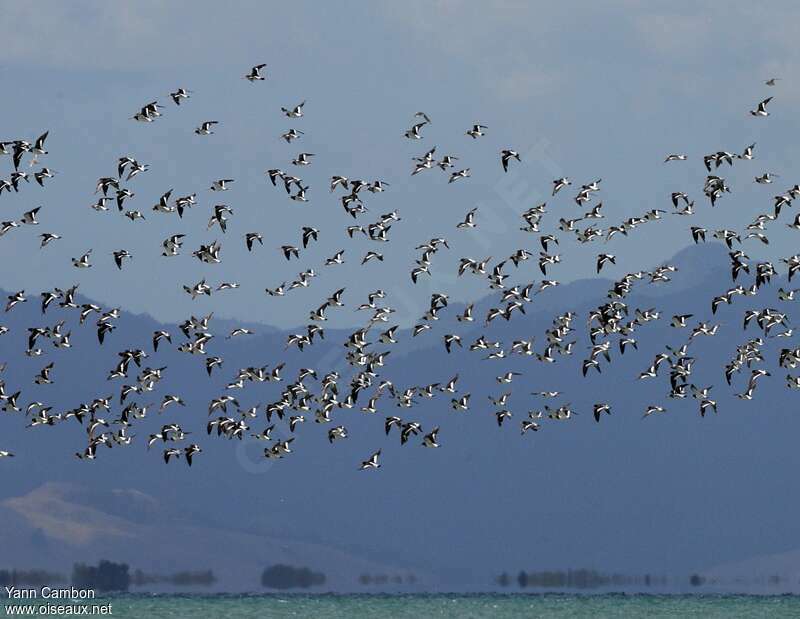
[
  {"x": 105, "y": 576},
  {"x": 382, "y": 579},
  {"x": 577, "y": 579},
  {"x": 29, "y": 578},
  {"x": 287, "y": 577},
  {"x": 203, "y": 578}
]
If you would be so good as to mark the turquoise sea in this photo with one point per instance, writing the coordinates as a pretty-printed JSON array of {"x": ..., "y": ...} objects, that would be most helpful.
[{"x": 443, "y": 605}]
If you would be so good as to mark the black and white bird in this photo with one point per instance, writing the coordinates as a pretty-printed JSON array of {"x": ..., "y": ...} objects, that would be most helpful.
[
  {"x": 221, "y": 184},
  {"x": 179, "y": 95},
  {"x": 302, "y": 159},
  {"x": 295, "y": 112},
  {"x": 506, "y": 155},
  {"x": 603, "y": 259},
  {"x": 83, "y": 261},
  {"x": 291, "y": 134},
  {"x": 469, "y": 220},
  {"x": 190, "y": 451},
  {"x": 43, "y": 174},
  {"x": 251, "y": 237},
  {"x": 430, "y": 439},
  {"x": 560, "y": 183},
  {"x": 761, "y": 108},
  {"x": 119, "y": 256},
  {"x": 48, "y": 237},
  {"x": 372, "y": 462},
  {"x": 599, "y": 409},
  {"x": 205, "y": 127},
  {"x": 465, "y": 173},
  {"x": 477, "y": 131},
  {"x": 414, "y": 132},
  {"x": 255, "y": 74},
  {"x": 29, "y": 217}
]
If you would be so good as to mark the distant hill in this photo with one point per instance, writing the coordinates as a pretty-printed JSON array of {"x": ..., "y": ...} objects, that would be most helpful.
[{"x": 59, "y": 523}]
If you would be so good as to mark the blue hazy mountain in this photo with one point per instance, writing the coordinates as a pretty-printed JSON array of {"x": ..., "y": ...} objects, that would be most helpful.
[{"x": 613, "y": 496}]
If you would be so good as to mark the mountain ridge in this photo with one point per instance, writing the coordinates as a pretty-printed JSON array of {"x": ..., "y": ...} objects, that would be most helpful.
[{"x": 619, "y": 470}]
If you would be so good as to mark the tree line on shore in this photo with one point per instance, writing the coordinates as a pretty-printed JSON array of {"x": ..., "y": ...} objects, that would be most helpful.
[
  {"x": 577, "y": 579},
  {"x": 29, "y": 578},
  {"x": 384, "y": 579},
  {"x": 281, "y": 576},
  {"x": 105, "y": 576}
]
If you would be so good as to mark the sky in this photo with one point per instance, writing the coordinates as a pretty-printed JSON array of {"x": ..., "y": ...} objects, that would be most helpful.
[
  {"x": 580, "y": 90},
  {"x": 587, "y": 91}
]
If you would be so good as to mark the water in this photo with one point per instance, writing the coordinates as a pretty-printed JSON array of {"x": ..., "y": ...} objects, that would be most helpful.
[{"x": 443, "y": 605}]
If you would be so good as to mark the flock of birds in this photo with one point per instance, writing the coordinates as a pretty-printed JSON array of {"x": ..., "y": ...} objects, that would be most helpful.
[{"x": 612, "y": 326}]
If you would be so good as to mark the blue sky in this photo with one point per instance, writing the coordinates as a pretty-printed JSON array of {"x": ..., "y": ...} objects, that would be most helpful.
[{"x": 579, "y": 91}]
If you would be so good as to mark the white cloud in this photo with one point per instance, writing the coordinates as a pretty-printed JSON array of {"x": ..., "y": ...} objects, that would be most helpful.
[{"x": 138, "y": 35}]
